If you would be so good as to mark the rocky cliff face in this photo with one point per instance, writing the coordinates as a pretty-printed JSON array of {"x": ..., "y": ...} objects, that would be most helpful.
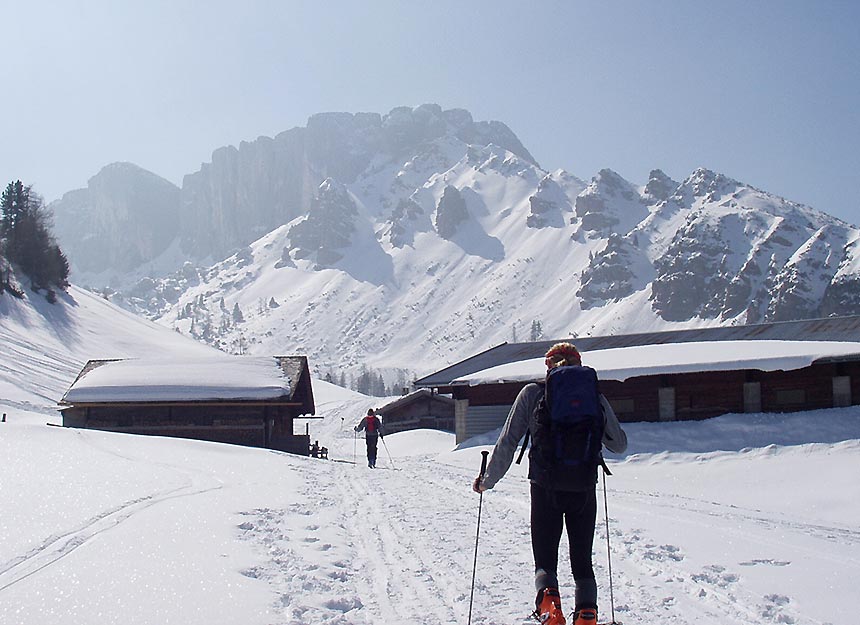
[
  {"x": 611, "y": 273},
  {"x": 248, "y": 191},
  {"x": 125, "y": 217}
]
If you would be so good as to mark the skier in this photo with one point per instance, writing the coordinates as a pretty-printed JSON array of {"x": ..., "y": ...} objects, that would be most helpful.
[
  {"x": 555, "y": 503},
  {"x": 372, "y": 427}
]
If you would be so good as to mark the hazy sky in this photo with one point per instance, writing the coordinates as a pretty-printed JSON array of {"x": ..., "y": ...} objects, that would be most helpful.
[{"x": 767, "y": 92}]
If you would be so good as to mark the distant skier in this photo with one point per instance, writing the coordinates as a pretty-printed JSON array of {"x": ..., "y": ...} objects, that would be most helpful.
[
  {"x": 562, "y": 474},
  {"x": 372, "y": 427}
]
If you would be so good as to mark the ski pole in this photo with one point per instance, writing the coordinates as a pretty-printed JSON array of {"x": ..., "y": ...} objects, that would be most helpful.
[
  {"x": 386, "y": 451},
  {"x": 608, "y": 551},
  {"x": 484, "y": 455},
  {"x": 354, "y": 439}
]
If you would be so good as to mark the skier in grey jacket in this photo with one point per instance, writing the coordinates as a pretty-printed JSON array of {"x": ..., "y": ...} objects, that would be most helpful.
[{"x": 552, "y": 509}]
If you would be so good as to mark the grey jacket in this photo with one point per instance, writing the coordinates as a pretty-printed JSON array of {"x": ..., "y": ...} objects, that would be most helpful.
[{"x": 517, "y": 423}]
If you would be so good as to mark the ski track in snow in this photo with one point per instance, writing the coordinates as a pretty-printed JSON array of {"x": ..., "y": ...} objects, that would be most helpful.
[
  {"x": 61, "y": 545},
  {"x": 400, "y": 553},
  {"x": 64, "y": 543}
]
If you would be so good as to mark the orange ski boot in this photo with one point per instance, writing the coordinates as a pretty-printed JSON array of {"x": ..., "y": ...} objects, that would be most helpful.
[
  {"x": 549, "y": 608},
  {"x": 585, "y": 616}
]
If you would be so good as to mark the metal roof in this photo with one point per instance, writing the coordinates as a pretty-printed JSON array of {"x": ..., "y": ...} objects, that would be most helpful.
[{"x": 828, "y": 329}]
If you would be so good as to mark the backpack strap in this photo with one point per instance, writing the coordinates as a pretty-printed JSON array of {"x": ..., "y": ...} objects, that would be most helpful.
[
  {"x": 603, "y": 464},
  {"x": 523, "y": 448},
  {"x": 528, "y": 432}
]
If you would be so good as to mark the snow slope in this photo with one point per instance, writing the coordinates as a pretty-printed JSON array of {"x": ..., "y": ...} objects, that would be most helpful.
[
  {"x": 736, "y": 520},
  {"x": 44, "y": 346}
]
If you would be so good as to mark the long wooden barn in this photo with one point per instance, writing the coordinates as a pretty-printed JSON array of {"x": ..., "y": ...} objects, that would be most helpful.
[
  {"x": 251, "y": 401},
  {"x": 688, "y": 374}
]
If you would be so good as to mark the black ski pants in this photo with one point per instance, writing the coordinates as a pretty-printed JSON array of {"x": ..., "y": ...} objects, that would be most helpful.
[
  {"x": 551, "y": 510},
  {"x": 371, "y": 449}
]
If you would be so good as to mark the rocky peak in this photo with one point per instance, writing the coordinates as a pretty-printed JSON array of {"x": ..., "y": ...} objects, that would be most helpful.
[
  {"x": 451, "y": 211},
  {"x": 707, "y": 184},
  {"x": 659, "y": 187},
  {"x": 610, "y": 204},
  {"x": 548, "y": 205},
  {"x": 328, "y": 226}
]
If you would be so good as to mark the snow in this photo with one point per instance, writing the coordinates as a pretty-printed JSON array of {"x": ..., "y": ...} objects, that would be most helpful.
[
  {"x": 679, "y": 358},
  {"x": 730, "y": 521},
  {"x": 735, "y": 520},
  {"x": 152, "y": 379}
]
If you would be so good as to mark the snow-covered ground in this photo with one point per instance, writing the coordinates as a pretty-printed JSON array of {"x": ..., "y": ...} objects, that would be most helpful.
[{"x": 736, "y": 520}]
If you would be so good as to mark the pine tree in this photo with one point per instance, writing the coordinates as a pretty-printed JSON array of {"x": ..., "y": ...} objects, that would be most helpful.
[
  {"x": 238, "y": 317},
  {"x": 363, "y": 383},
  {"x": 12, "y": 206},
  {"x": 26, "y": 239},
  {"x": 378, "y": 385}
]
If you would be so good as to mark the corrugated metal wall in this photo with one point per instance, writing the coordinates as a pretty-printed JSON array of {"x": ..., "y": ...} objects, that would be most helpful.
[{"x": 481, "y": 419}]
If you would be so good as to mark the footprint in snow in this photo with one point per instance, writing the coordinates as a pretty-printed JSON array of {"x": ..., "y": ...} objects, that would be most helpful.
[
  {"x": 767, "y": 561},
  {"x": 774, "y": 609},
  {"x": 716, "y": 575}
]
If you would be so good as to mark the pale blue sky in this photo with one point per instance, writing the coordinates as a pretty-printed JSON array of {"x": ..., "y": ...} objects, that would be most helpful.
[{"x": 766, "y": 92}]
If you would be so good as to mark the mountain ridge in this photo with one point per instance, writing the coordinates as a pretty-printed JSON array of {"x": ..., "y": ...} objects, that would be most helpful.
[{"x": 399, "y": 242}]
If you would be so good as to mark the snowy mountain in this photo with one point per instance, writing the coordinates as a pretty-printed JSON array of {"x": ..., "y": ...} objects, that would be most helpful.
[{"x": 410, "y": 240}]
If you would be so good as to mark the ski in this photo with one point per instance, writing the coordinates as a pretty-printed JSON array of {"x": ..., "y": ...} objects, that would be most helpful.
[{"x": 533, "y": 618}]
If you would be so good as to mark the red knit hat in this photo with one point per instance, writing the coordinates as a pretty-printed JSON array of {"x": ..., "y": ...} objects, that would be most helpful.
[{"x": 563, "y": 353}]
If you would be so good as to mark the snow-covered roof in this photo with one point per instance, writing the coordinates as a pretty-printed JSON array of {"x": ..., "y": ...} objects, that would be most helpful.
[
  {"x": 198, "y": 379},
  {"x": 839, "y": 329},
  {"x": 414, "y": 396},
  {"x": 629, "y": 362}
]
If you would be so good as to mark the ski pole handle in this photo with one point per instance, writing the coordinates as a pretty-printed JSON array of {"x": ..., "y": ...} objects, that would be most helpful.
[{"x": 484, "y": 455}]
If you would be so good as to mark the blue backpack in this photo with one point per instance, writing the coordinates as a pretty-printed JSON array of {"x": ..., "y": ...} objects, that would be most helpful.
[{"x": 567, "y": 431}]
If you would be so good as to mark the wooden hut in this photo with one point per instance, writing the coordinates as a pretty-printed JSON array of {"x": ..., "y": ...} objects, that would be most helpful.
[
  {"x": 421, "y": 409},
  {"x": 721, "y": 370},
  {"x": 250, "y": 401}
]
